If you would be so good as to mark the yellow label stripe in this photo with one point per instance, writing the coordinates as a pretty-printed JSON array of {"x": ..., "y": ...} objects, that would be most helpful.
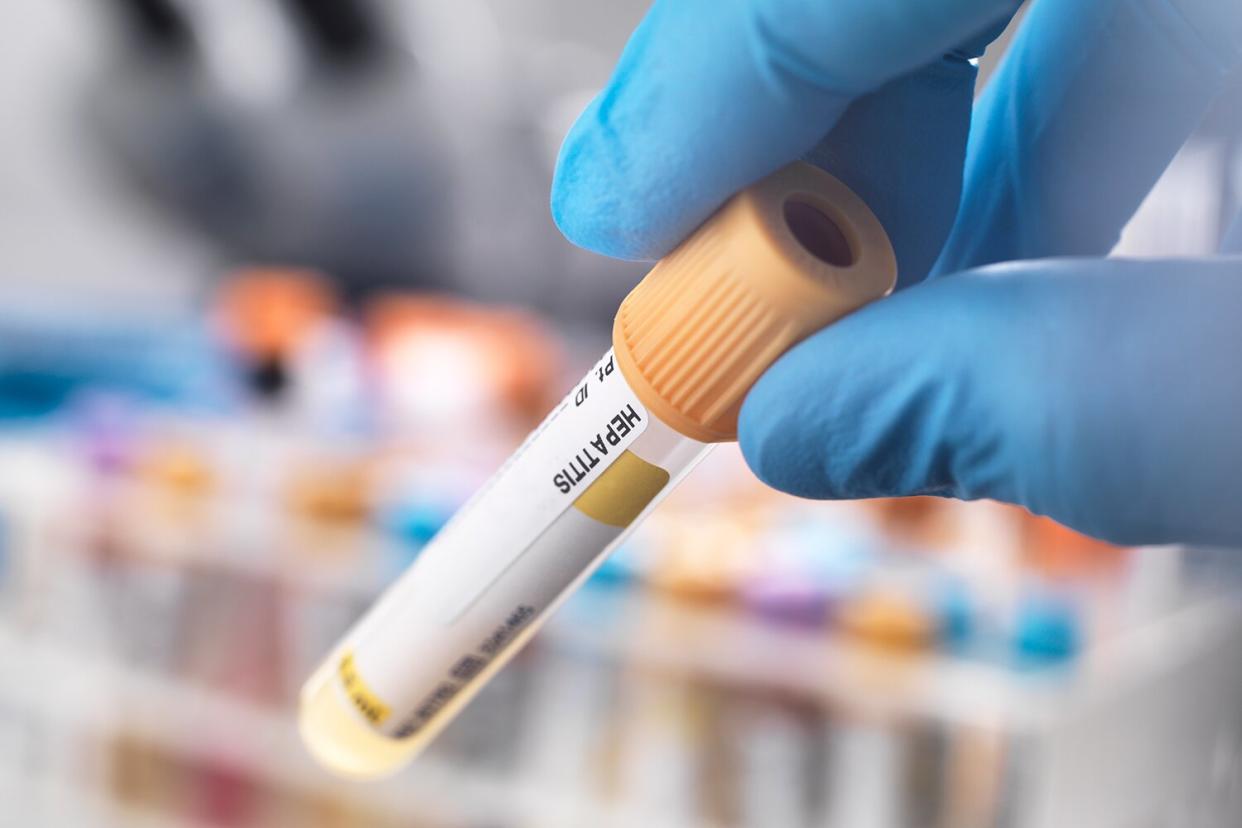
[
  {"x": 622, "y": 491},
  {"x": 360, "y": 694}
]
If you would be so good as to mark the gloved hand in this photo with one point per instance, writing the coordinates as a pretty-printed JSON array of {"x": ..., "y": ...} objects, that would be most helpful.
[{"x": 1102, "y": 392}]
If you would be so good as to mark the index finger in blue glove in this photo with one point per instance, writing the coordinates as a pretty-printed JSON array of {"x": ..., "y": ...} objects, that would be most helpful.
[{"x": 710, "y": 96}]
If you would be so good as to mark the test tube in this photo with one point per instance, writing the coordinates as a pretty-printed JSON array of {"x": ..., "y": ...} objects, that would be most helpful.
[{"x": 778, "y": 261}]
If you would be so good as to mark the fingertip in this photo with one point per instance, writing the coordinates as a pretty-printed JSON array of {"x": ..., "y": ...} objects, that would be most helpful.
[
  {"x": 762, "y": 453},
  {"x": 598, "y": 200},
  {"x": 774, "y": 417}
]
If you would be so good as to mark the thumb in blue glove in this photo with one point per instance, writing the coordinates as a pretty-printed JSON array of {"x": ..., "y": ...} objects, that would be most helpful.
[{"x": 1103, "y": 393}]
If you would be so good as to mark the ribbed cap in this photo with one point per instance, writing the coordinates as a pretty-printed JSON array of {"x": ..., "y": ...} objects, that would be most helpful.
[{"x": 777, "y": 262}]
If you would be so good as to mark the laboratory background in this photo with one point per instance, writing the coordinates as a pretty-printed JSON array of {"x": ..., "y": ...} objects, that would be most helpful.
[{"x": 279, "y": 289}]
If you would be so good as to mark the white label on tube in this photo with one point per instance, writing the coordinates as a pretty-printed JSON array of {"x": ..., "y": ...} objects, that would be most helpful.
[
  {"x": 573, "y": 446},
  {"x": 433, "y": 629}
]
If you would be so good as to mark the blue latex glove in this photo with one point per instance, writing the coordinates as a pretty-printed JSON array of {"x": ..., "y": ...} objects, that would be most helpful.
[{"x": 1105, "y": 393}]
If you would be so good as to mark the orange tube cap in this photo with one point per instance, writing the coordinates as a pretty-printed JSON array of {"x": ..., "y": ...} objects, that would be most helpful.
[{"x": 780, "y": 260}]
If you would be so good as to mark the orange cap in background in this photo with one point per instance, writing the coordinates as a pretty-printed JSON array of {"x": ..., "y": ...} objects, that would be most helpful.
[
  {"x": 510, "y": 349},
  {"x": 332, "y": 490},
  {"x": 266, "y": 312},
  {"x": 916, "y": 523},
  {"x": 777, "y": 262},
  {"x": 1060, "y": 553},
  {"x": 887, "y": 618}
]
